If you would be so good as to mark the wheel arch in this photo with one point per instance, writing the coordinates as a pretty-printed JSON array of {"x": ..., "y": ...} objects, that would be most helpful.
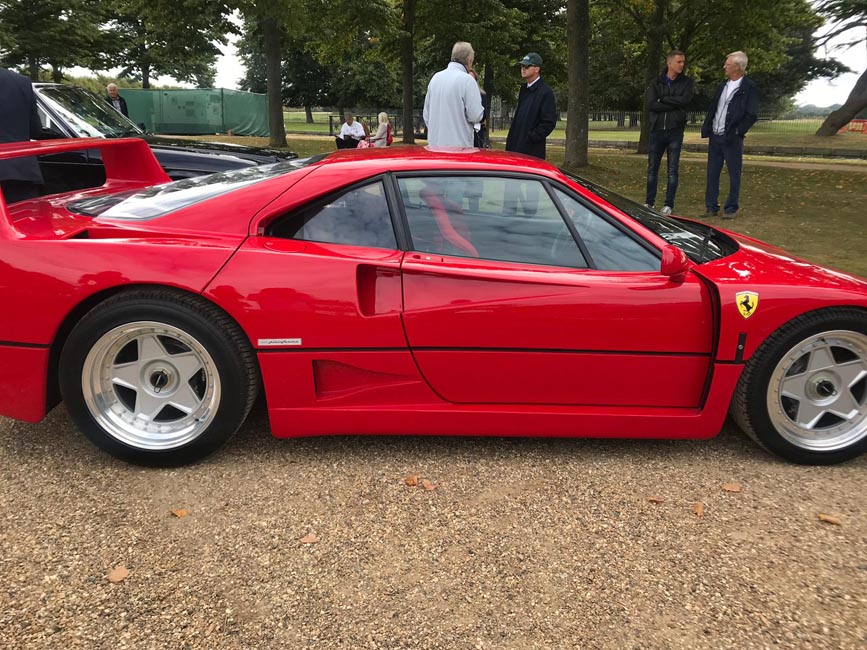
[
  {"x": 751, "y": 420},
  {"x": 52, "y": 394}
]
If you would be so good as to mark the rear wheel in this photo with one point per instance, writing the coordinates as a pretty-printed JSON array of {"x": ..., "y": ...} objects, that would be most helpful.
[
  {"x": 803, "y": 394},
  {"x": 158, "y": 377}
]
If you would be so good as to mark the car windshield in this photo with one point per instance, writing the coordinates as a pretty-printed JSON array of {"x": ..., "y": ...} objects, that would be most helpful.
[
  {"x": 161, "y": 199},
  {"x": 90, "y": 116},
  {"x": 701, "y": 243}
]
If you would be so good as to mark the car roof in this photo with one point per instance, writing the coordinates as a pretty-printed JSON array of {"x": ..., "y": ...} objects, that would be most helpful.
[{"x": 435, "y": 159}]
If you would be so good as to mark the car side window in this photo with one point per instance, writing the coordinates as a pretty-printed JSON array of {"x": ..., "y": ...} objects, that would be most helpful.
[
  {"x": 610, "y": 248},
  {"x": 357, "y": 217},
  {"x": 489, "y": 217}
]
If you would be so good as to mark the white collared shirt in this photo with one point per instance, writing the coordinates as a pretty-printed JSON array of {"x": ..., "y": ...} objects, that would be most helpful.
[
  {"x": 719, "y": 120},
  {"x": 534, "y": 81},
  {"x": 355, "y": 131}
]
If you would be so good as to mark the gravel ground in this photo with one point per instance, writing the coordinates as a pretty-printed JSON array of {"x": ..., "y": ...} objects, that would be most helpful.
[{"x": 522, "y": 544}]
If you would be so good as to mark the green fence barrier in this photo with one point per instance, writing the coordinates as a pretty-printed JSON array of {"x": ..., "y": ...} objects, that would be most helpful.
[{"x": 199, "y": 112}]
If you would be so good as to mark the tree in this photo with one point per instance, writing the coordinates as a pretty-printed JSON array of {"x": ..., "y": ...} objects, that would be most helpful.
[
  {"x": 849, "y": 14},
  {"x": 150, "y": 41},
  {"x": 772, "y": 32},
  {"x": 263, "y": 14},
  {"x": 578, "y": 46},
  {"x": 59, "y": 33}
]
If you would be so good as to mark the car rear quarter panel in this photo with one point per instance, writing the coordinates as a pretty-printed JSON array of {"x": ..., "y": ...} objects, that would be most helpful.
[{"x": 43, "y": 285}]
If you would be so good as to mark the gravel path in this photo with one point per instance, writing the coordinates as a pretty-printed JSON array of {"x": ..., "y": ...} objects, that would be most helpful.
[{"x": 522, "y": 544}]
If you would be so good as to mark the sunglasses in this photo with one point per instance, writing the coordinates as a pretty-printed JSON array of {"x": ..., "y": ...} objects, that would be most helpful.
[{"x": 530, "y": 65}]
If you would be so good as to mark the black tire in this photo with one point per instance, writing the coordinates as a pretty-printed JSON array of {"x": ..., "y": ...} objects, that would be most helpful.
[
  {"x": 182, "y": 329},
  {"x": 778, "y": 359}
]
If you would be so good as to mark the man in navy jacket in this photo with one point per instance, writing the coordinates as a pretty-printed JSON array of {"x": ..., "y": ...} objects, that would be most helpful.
[
  {"x": 536, "y": 114},
  {"x": 20, "y": 178},
  {"x": 734, "y": 110}
]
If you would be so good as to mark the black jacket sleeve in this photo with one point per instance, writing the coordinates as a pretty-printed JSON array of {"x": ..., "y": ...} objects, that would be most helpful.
[
  {"x": 680, "y": 101},
  {"x": 751, "y": 111},
  {"x": 35, "y": 124}
]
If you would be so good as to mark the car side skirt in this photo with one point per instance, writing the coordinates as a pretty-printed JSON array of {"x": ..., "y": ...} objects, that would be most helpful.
[{"x": 388, "y": 397}]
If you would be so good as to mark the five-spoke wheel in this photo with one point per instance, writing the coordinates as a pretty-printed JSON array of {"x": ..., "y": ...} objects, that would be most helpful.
[
  {"x": 803, "y": 394},
  {"x": 158, "y": 377}
]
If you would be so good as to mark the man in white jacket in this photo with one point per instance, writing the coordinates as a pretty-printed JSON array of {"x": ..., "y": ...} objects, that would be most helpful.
[{"x": 453, "y": 103}]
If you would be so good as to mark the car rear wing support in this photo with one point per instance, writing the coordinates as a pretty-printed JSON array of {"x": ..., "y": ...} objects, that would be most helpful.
[{"x": 126, "y": 160}]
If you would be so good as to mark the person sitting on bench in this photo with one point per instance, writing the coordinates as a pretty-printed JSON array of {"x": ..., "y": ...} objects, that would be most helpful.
[{"x": 351, "y": 133}]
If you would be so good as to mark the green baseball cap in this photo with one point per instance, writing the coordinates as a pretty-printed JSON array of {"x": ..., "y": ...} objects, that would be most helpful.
[{"x": 531, "y": 59}]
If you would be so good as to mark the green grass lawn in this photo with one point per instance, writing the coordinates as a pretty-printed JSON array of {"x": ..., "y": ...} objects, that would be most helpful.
[{"x": 817, "y": 212}]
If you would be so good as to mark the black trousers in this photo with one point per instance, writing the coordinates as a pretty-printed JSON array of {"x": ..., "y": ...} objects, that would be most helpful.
[{"x": 346, "y": 143}]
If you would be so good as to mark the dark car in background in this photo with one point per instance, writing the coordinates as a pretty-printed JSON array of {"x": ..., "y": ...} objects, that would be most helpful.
[{"x": 73, "y": 112}]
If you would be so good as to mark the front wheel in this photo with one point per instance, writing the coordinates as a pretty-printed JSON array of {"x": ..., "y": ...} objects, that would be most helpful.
[
  {"x": 803, "y": 394},
  {"x": 157, "y": 377}
]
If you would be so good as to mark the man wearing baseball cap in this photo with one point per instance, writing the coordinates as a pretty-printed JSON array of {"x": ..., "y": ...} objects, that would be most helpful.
[{"x": 536, "y": 114}]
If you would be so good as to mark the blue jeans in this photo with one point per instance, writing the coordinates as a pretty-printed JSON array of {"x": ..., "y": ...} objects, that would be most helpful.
[
  {"x": 665, "y": 141},
  {"x": 728, "y": 149}
]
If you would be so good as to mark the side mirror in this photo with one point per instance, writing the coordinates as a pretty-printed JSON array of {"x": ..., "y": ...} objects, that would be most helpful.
[{"x": 675, "y": 263}]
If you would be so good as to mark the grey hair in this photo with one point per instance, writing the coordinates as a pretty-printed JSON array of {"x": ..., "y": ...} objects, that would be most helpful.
[
  {"x": 110, "y": 86},
  {"x": 383, "y": 117},
  {"x": 463, "y": 53},
  {"x": 739, "y": 59}
]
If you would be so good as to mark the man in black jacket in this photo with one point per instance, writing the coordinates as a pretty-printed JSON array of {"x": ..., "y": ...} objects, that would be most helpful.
[
  {"x": 734, "y": 110},
  {"x": 19, "y": 177},
  {"x": 667, "y": 98},
  {"x": 118, "y": 102},
  {"x": 536, "y": 114}
]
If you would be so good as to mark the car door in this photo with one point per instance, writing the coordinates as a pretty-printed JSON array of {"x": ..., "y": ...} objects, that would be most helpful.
[{"x": 518, "y": 292}]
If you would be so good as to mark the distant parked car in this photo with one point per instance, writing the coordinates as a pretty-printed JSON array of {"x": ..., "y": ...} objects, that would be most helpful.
[{"x": 72, "y": 112}]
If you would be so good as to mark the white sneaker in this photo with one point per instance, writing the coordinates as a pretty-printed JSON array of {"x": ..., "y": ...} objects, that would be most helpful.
[
  {"x": 648, "y": 206},
  {"x": 665, "y": 211}
]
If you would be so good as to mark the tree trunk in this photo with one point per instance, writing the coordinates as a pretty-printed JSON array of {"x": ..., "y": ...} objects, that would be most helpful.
[
  {"x": 488, "y": 85},
  {"x": 407, "y": 54},
  {"x": 271, "y": 38},
  {"x": 56, "y": 74},
  {"x": 655, "y": 38},
  {"x": 145, "y": 76},
  {"x": 33, "y": 64},
  {"x": 578, "y": 46},
  {"x": 855, "y": 103},
  {"x": 308, "y": 111}
]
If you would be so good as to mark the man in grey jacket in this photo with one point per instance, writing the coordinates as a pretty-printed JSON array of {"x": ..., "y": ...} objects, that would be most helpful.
[{"x": 453, "y": 103}]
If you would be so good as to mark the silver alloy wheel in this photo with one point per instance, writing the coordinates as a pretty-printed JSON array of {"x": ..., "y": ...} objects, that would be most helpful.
[
  {"x": 151, "y": 385},
  {"x": 817, "y": 395}
]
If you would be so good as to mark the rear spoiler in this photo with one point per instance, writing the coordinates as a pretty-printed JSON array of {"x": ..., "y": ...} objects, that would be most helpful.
[{"x": 126, "y": 160}]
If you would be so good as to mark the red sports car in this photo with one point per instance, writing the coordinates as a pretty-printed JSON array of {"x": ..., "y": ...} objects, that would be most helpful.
[{"x": 395, "y": 291}]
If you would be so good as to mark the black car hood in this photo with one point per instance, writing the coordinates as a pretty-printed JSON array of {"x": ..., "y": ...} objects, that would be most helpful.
[{"x": 258, "y": 155}]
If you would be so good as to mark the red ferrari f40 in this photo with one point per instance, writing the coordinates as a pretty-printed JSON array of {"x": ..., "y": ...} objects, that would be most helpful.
[{"x": 393, "y": 291}]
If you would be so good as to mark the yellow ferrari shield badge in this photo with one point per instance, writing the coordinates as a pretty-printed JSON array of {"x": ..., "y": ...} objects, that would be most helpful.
[{"x": 748, "y": 302}]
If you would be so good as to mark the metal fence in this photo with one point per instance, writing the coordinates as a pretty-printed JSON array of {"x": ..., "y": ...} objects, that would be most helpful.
[
  {"x": 612, "y": 120},
  {"x": 631, "y": 121}
]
